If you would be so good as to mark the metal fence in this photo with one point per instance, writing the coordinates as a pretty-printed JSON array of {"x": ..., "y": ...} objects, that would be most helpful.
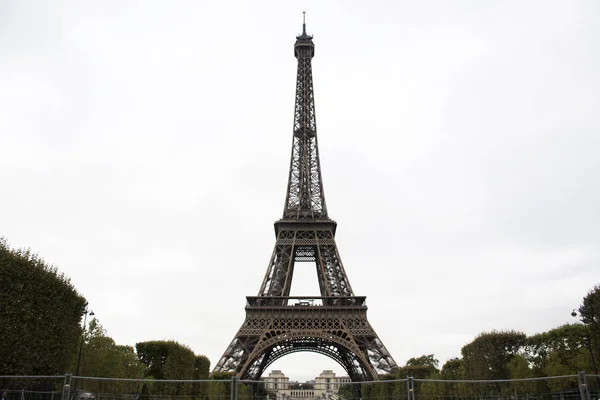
[
  {"x": 66, "y": 387},
  {"x": 33, "y": 387}
]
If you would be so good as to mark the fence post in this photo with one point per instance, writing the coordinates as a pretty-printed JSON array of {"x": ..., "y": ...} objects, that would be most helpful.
[
  {"x": 234, "y": 388},
  {"x": 587, "y": 386},
  {"x": 410, "y": 384},
  {"x": 582, "y": 384},
  {"x": 66, "y": 392}
]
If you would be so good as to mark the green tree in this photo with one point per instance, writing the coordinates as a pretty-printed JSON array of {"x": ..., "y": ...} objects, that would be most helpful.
[
  {"x": 416, "y": 371},
  {"x": 166, "y": 359},
  {"x": 201, "y": 372},
  {"x": 559, "y": 351},
  {"x": 201, "y": 367},
  {"x": 102, "y": 357},
  {"x": 40, "y": 311},
  {"x": 382, "y": 389},
  {"x": 488, "y": 355},
  {"x": 427, "y": 360},
  {"x": 423, "y": 367},
  {"x": 245, "y": 391},
  {"x": 590, "y": 316},
  {"x": 349, "y": 392},
  {"x": 221, "y": 387},
  {"x": 518, "y": 368},
  {"x": 453, "y": 369}
]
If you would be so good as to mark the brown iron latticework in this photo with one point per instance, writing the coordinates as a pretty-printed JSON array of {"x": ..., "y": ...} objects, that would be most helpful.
[{"x": 334, "y": 324}]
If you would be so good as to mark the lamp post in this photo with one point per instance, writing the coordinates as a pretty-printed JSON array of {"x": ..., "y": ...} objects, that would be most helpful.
[
  {"x": 587, "y": 340},
  {"x": 85, "y": 312}
]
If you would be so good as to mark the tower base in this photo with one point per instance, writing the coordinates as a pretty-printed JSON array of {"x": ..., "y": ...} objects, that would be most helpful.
[{"x": 333, "y": 326}]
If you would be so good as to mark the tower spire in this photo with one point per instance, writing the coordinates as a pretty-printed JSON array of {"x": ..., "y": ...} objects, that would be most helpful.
[
  {"x": 303, "y": 23},
  {"x": 304, "y": 36},
  {"x": 305, "y": 200}
]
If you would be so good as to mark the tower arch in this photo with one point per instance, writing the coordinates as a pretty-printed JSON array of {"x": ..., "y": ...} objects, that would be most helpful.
[{"x": 335, "y": 345}]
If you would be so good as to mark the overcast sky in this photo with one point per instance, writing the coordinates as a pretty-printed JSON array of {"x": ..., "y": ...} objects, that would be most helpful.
[{"x": 144, "y": 151}]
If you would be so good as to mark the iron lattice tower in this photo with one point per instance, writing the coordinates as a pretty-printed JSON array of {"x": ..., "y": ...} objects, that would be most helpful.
[{"x": 334, "y": 324}]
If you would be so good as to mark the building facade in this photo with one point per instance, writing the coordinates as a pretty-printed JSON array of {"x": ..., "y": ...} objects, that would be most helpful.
[
  {"x": 276, "y": 382},
  {"x": 327, "y": 383},
  {"x": 324, "y": 386}
]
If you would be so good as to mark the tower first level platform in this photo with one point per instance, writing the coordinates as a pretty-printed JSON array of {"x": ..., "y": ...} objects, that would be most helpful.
[{"x": 333, "y": 326}]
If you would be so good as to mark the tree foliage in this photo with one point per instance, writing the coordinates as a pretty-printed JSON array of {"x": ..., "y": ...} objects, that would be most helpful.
[
  {"x": 349, "y": 392},
  {"x": 201, "y": 367},
  {"x": 488, "y": 355},
  {"x": 426, "y": 360},
  {"x": 168, "y": 360},
  {"x": 559, "y": 351},
  {"x": 453, "y": 369},
  {"x": 518, "y": 368},
  {"x": 221, "y": 388},
  {"x": 590, "y": 315},
  {"x": 40, "y": 311},
  {"x": 102, "y": 357},
  {"x": 422, "y": 367},
  {"x": 387, "y": 387}
]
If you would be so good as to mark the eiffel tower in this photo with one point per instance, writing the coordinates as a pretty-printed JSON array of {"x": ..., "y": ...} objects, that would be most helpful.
[{"x": 334, "y": 324}]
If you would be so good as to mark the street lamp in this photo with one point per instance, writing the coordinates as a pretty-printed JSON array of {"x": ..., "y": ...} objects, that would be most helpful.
[
  {"x": 587, "y": 340},
  {"x": 85, "y": 312}
]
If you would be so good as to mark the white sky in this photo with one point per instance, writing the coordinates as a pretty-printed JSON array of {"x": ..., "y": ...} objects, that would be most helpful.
[{"x": 144, "y": 150}]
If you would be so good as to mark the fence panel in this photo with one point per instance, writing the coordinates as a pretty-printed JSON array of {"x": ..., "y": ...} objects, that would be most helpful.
[
  {"x": 33, "y": 387},
  {"x": 323, "y": 390},
  {"x": 570, "y": 387},
  {"x": 553, "y": 388},
  {"x": 592, "y": 386},
  {"x": 149, "y": 389}
]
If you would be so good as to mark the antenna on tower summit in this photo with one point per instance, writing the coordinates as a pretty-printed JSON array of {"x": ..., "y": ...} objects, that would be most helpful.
[{"x": 304, "y": 23}]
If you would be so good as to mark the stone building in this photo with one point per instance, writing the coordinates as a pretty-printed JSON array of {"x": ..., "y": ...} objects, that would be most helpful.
[
  {"x": 276, "y": 381},
  {"x": 325, "y": 386}
]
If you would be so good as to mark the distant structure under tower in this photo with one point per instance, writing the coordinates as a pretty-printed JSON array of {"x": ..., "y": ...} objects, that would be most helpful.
[{"x": 324, "y": 386}]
